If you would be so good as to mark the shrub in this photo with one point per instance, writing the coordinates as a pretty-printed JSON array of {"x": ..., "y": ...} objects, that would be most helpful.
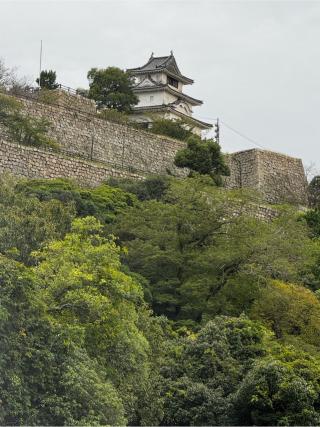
[
  {"x": 47, "y": 80},
  {"x": 115, "y": 116},
  {"x": 204, "y": 157},
  {"x": 177, "y": 129},
  {"x": 24, "y": 129}
]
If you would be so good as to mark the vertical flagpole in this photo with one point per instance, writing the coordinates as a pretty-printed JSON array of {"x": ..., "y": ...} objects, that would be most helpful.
[{"x": 40, "y": 64}]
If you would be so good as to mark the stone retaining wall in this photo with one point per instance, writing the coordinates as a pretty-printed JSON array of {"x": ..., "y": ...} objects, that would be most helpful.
[
  {"x": 31, "y": 162},
  {"x": 277, "y": 177},
  {"x": 88, "y": 135}
]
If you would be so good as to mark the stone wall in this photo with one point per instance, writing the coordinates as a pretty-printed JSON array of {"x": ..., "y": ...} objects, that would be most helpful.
[
  {"x": 124, "y": 150},
  {"x": 90, "y": 136},
  {"x": 279, "y": 178},
  {"x": 30, "y": 162}
]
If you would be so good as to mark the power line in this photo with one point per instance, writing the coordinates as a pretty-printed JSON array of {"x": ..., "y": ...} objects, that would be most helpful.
[
  {"x": 243, "y": 136},
  {"x": 237, "y": 132}
]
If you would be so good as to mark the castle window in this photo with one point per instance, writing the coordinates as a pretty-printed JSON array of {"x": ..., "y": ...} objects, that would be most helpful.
[
  {"x": 172, "y": 82},
  {"x": 151, "y": 98}
]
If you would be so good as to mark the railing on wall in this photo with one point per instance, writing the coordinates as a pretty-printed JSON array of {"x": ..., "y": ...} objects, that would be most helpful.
[
  {"x": 33, "y": 94},
  {"x": 85, "y": 157},
  {"x": 70, "y": 90}
]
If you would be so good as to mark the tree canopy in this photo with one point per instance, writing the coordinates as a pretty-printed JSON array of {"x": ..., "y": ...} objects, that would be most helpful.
[
  {"x": 204, "y": 157},
  {"x": 155, "y": 302},
  {"x": 112, "y": 88},
  {"x": 22, "y": 128},
  {"x": 178, "y": 129},
  {"x": 47, "y": 80}
]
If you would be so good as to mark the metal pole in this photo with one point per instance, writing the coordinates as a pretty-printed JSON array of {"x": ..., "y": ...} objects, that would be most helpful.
[{"x": 40, "y": 67}]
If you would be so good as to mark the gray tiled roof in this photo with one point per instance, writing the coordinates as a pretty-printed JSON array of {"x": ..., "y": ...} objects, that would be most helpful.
[
  {"x": 161, "y": 63},
  {"x": 154, "y": 63}
]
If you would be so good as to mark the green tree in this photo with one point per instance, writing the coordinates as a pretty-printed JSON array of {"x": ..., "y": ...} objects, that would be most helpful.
[
  {"x": 233, "y": 372},
  {"x": 151, "y": 188},
  {"x": 45, "y": 378},
  {"x": 312, "y": 217},
  {"x": 212, "y": 256},
  {"x": 291, "y": 311},
  {"x": 204, "y": 157},
  {"x": 112, "y": 88},
  {"x": 177, "y": 129},
  {"x": 26, "y": 223},
  {"x": 104, "y": 202},
  {"x": 203, "y": 370},
  {"x": 22, "y": 128},
  {"x": 47, "y": 80},
  {"x": 314, "y": 192},
  {"x": 279, "y": 392},
  {"x": 84, "y": 288}
]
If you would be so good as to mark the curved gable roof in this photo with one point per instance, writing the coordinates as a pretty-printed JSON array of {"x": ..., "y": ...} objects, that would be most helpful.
[{"x": 162, "y": 63}]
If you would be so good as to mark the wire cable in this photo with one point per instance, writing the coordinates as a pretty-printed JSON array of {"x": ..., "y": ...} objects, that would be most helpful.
[
  {"x": 256, "y": 143},
  {"x": 242, "y": 135}
]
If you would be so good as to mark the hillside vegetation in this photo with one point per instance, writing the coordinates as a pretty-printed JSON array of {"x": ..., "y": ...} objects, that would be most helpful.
[{"x": 161, "y": 302}]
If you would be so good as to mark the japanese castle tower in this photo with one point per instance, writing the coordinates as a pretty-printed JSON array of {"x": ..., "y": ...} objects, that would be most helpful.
[{"x": 159, "y": 87}]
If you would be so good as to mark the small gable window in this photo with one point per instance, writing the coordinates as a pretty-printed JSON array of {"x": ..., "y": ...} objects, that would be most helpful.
[{"x": 172, "y": 82}]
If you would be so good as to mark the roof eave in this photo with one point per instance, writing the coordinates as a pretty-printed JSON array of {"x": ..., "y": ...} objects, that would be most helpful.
[
  {"x": 183, "y": 79},
  {"x": 180, "y": 95},
  {"x": 160, "y": 108}
]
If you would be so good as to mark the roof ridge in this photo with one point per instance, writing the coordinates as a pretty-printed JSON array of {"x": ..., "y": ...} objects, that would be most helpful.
[{"x": 158, "y": 57}]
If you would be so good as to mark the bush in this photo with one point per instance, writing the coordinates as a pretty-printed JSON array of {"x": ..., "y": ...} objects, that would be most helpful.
[
  {"x": 48, "y": 96},
  {"x": 23, "y": 129},
  {"x": 114, "y": 116},
  {"x": 177, "y": 129},
  {"x": 204, "y": 157},
  {"x": 314, "y": 192},
  {"x": 152, "y": 188},
  {"x": 103, "y": 201},
  {"x": 47, "y": 80}
]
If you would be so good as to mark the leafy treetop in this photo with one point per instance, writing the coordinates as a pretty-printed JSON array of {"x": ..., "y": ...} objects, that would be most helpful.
[
  {"x": 204, "y": 157},
  {"x": 48, "y": 80},
  {"x": 24, "y": 129},
  {"x": 112, "y": 88},
  {"x": 177, "y": 129}
]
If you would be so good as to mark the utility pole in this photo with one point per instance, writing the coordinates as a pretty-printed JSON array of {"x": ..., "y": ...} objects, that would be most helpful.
[
  {"x": 40, "y": 67},
  {"x": 217, "y": 131}
]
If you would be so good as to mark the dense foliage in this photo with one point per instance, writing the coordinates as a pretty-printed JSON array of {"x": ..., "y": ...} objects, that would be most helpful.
[
  {"x": 112, "y": 88},
  {"x": 47, "y": 80},
  {"x": 22, "y": 128},
  {"x": 162, "y": 302},
  {"x": 178, "y": 129},
  {"x": 204, "y": 157}
]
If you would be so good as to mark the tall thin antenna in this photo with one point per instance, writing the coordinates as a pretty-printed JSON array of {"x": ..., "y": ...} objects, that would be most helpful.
[{"x": 40, "y": 67}]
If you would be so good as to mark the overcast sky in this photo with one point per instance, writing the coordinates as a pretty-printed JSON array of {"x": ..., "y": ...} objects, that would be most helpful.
[{"x": 256, "y": 64}]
